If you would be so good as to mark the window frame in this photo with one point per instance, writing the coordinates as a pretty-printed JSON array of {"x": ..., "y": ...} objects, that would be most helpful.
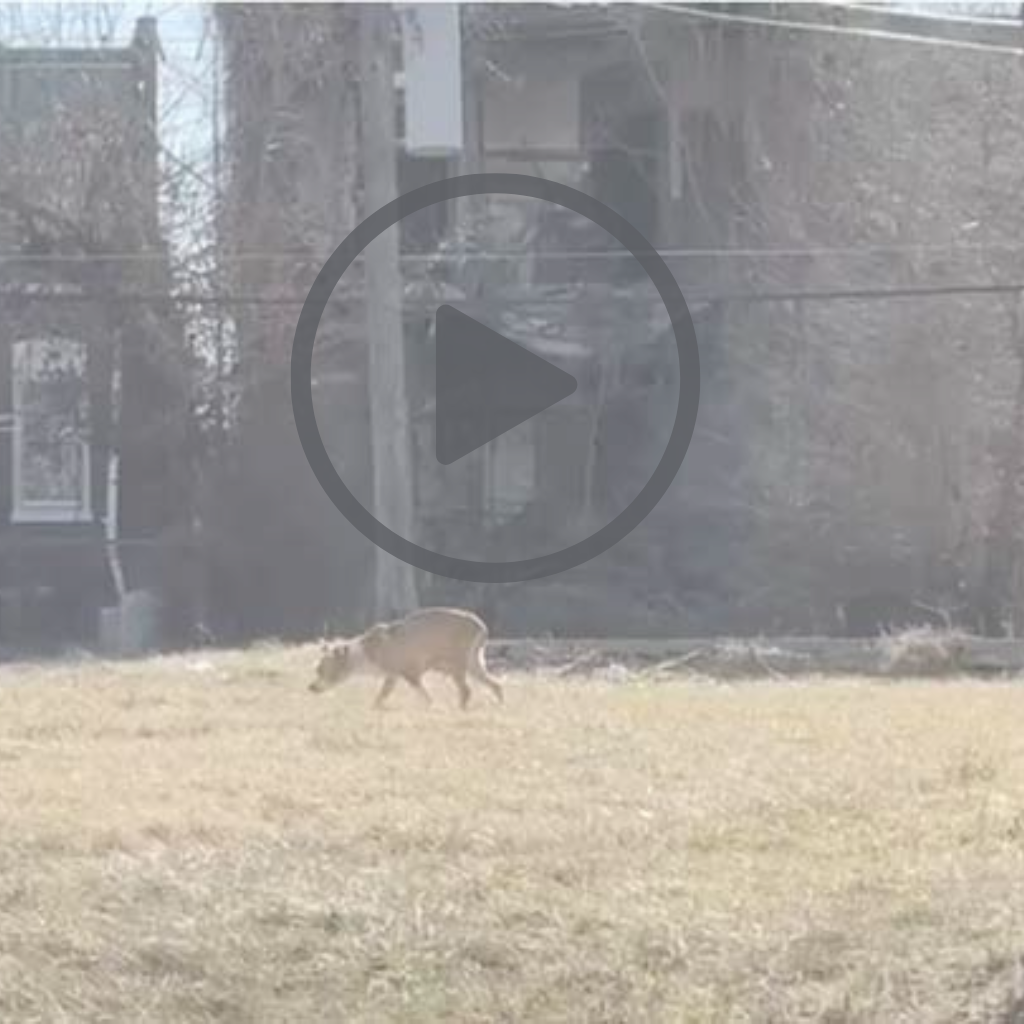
[{"x": 47, "y": 511}]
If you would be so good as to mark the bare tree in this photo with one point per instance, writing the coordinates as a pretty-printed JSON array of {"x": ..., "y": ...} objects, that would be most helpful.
[{"x": 281, "y": 556}]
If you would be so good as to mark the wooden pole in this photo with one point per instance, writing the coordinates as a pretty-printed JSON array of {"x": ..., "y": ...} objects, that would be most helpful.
[{"x": 395, "y": 581}]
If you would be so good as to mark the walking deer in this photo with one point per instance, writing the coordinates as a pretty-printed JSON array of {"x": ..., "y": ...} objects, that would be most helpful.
[{"x": 448, "y": 640}]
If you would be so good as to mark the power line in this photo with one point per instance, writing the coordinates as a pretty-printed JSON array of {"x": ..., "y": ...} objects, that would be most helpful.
[
  {"x": 66, "y": 65},
  {"x": 497, "y": 255},
  {"x": 845, "y": 30},
  {"x": 795, "y": 295},
  {"x": 890, "y": 11}
]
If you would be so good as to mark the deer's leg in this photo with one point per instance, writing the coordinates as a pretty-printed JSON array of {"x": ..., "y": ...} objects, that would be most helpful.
[
  {"x": 385, "y": 691},
  {"x": 417, "y": 684},
  {"x": 459, "y": 675},
  {"x": 478, "y": 669}
]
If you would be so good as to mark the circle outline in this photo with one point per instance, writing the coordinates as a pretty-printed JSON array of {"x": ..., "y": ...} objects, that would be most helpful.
[{"x": 449, "y": 566}]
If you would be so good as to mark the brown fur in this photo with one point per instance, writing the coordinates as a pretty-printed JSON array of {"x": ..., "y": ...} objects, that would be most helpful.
[{"x": 449, "y": 640}]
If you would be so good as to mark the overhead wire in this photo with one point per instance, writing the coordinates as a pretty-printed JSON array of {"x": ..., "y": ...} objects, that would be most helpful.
[
  {"x": 919, "y": 14},
  {"x": 700, "y": 295},
  {"x": 497, "y": 255},
  {"x": 884, "y": 35}
]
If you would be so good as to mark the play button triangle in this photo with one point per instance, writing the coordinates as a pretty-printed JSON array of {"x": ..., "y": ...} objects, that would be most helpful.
[{"x": 486, "y": 385}]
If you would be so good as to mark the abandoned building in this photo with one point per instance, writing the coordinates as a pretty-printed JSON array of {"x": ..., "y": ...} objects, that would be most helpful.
[
  {"x": 91, "y": 408},
  {"x": 797, "y": 223}
]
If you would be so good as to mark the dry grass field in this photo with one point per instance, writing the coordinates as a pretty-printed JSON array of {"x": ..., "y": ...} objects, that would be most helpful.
[{"x": 200, "y": 840}]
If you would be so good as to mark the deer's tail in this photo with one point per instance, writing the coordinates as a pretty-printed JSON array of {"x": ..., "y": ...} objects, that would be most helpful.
[{"x": 478, "y": 668}]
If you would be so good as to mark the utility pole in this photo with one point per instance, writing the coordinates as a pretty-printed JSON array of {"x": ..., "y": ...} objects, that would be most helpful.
[
  {"x": 395, "y": 581},
  {"x": 469, "y": 215}
]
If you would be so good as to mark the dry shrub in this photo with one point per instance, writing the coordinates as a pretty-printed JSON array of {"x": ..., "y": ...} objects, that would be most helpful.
[
  {"x": 736, "y": 659},
  {"x": 923, "y": 651}
]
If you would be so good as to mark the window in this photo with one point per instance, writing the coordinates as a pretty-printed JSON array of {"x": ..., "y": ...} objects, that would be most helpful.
[{"x": 51, "y": 447}]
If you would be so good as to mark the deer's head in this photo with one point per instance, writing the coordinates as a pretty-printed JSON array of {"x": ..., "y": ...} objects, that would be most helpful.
[{"x": 335, "y": 665}]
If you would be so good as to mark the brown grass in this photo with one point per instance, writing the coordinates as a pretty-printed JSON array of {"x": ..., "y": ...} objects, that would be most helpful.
[{"x": 219, "y": 845}]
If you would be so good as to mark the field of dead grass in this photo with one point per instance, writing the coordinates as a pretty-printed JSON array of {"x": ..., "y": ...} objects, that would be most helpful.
[{"x": 194, "y": 840}]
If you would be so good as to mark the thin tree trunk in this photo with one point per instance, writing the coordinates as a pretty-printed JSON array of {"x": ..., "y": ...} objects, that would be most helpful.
[{"x": 608, "y": 367}]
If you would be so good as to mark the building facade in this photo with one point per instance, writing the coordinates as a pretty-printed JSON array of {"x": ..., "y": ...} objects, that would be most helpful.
[{"x": 91, "y": 399}]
